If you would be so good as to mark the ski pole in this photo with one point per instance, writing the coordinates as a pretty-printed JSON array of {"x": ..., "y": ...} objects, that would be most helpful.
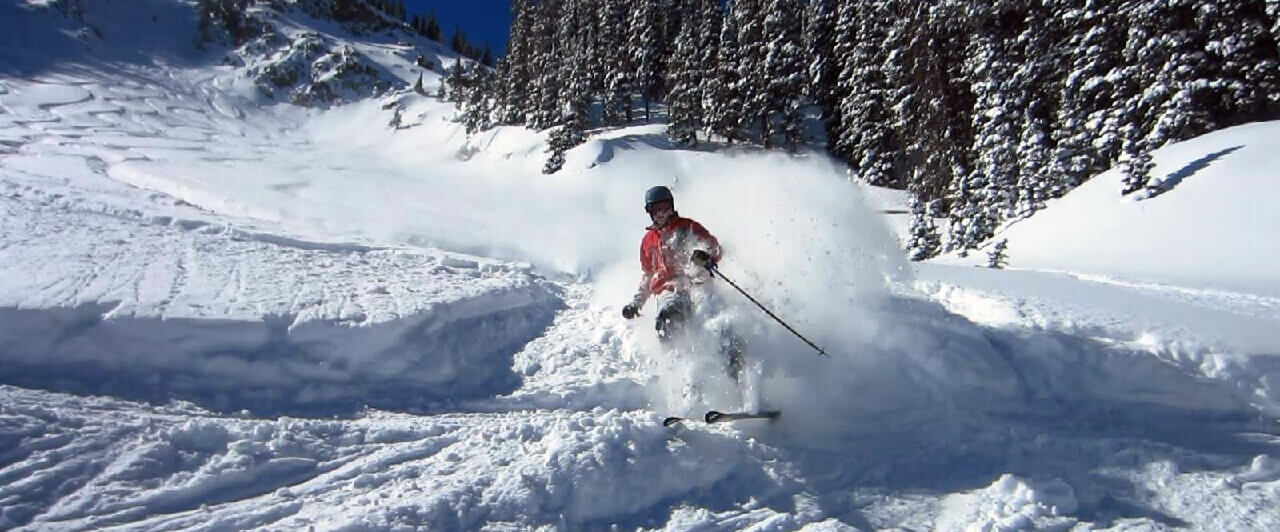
[{"x": 711, "y": 267}]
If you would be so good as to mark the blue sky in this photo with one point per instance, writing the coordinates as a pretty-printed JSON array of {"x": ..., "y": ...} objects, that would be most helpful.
[{"x": 483, "y": 21}]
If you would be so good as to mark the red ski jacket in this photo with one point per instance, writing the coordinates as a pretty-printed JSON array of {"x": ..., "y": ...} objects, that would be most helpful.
[{"x": 665, "y": 256}]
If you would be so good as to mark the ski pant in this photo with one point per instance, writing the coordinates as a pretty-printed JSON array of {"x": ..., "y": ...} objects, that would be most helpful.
[{"x": 675, "y": 309}]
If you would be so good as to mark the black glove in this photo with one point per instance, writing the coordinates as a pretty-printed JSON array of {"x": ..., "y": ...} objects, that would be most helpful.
[
  {"x": 702, "y": 258},
  {"x": 631, "y": 310}
]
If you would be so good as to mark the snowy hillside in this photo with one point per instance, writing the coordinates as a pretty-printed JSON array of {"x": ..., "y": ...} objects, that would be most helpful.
[
  {"x": 220, "y": 310},
  {"x": 1205, "y": 223}
]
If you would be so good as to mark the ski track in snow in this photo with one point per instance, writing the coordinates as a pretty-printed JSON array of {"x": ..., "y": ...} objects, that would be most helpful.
[{"x": 1038, "y": 405}]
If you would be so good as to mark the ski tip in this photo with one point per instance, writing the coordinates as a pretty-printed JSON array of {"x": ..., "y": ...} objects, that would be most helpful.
[
  {"x": 713, "y": 416},
  {"x": 671, "y": 421}
]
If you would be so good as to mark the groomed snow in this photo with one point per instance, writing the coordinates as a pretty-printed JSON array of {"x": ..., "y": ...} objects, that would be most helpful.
[{"x": 216, "y": 314}]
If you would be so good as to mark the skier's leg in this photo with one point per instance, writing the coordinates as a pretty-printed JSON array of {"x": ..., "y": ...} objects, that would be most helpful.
[
  {"x": 673, "y": 312},
  {"x": 734, "y": 348}
]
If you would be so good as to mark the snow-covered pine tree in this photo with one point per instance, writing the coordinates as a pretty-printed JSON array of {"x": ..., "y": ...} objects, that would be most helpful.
[
  {"x": 576, "y": 83},
  {"x": 575, "y": 96},
  {"x": 711, "y": 86},
  {"x": 1242, "y": 63},
  {"x": 684, "y": 75},
  {"x": 722, "y": 100},
  {"x": 1273, "y": 10},
  {"x": 934, "y": 104},
  {"x": 1135, "y": 160},
  {"x": 1159, "y": 41},
  {"x": 546, "y": 61},
  {"x": 844, "y": 42},
  {"x": 785, "y": 73},
  {"x": 1036, "y": 78},
  {"x": 751, "y": 84},
  {"x": 991, "y": 65},
  {"x": 925, "y": 241},
  {"x": 454, "y": 82},
  {"x": 1086, "y": 140},
  {"x": 514, "y": 76},
  {"x": 644, "y": 41},
  {"x": 1180, "y": 99},
  {"x": 864, "y": 137},
  {"x": 618, "y": 68},
  {"x": 477, "y": 104},
  {"x": 997, "y": 258},
  {"x": 823, "y": 66},
  {"x": 593, "y": 38}
]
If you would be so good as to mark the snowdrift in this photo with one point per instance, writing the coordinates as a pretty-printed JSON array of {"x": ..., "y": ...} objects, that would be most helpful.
[{"x": 125, "y": 307}]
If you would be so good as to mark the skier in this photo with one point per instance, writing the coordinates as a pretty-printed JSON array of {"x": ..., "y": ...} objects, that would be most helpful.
[{"x": 676, "y": 254}]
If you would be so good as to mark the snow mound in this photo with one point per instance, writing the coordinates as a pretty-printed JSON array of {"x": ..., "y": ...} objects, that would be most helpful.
[
  {"x": 1200, "y": 224},
  {"x": 1264, "y": 468},
  {"x": 1011, "y": 503}
]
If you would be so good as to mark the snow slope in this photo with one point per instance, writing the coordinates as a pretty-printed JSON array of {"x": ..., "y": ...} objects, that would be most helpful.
[
  {"x": 1203, "y": 223},
  {"x": 222, "y": 313}
]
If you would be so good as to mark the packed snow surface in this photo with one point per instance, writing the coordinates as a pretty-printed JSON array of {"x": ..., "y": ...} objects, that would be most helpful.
[{"x": 220, "y": 313}]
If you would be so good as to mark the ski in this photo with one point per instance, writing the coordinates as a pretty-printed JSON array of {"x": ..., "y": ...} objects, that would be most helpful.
[
  {"x": 713, "y": 416},
  {"x": 725, "y": 417}
]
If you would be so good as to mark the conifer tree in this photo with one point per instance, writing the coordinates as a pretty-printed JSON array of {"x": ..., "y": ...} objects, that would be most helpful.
[
  {"x": 515, "y": 77},
  {"x": 723, "y": 100},
  {"x": 1242, "y": 63},
  {"x": 864, "y": 137},
  {"x": 785, "y": 73},
  {"x": 932, "y": 105},
  {"x": 924, "y": 242},
  {"x": 454, "y": 81},
  {"x": 1035, "y": 79},
  {"x": 544, "y": 109},
  {"x": 751, "y": 84},
  {"x": 995, "y": 121},
  {"x": 458, "y": 42},
  {"x": 823, "y": 65},
  {"x": 844, "y": 41},
  {"x": 645, "y": 44},
  {"x": 1164, "y": 60},
  {"x": 1086, "y": 141},
  {"x": 617, "y": 67},
  {"x": 711, "y": 86},
  {"x": 997, "y": 258},
  {"x": 575, "y": 83},
  {"x": 431, "y": 28},
  {"x": 684, "y": 72},
  {"x": 476, "y": 105},
  {"x": 1273, "y": 10}
]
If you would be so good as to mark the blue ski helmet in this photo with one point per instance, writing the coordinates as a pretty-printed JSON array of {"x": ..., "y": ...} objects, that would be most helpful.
[{"x": 657, "y": 194}]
